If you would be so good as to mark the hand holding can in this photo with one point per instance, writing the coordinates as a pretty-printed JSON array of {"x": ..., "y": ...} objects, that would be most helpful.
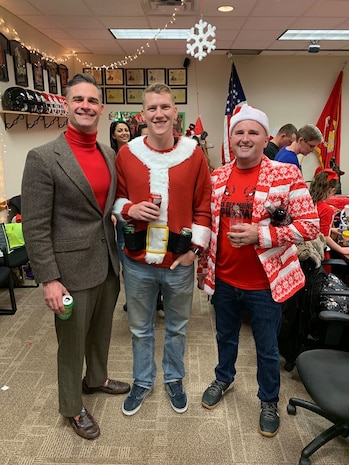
[
  {"x": 155, "y": 199},
  {"x": 68, "y": 303}
]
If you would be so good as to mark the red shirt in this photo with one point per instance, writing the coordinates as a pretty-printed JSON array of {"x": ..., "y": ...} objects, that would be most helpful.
[
  {"x": 92, "y": 162},
  {"x": 326, "y": 213},
  {"x": 234, "y": 265}
]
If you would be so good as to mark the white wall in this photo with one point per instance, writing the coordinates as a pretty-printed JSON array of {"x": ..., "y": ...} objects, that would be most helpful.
[{"x": 289, "y": 89}]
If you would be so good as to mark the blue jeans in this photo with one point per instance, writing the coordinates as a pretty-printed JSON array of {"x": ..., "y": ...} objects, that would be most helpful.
[
  {"x": 265, "y": 319},
  {"x": 142, "y": 285}
]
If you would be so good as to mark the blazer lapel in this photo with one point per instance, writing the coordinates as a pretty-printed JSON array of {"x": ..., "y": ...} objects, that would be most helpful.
[{"x": 110, "y": 161}]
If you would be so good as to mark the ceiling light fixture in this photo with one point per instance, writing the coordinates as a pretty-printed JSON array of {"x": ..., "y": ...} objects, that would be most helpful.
[
  {"x": 225, "y": 8},
  {"x": 314, "y": 47},
  {"x": 145, "y": 34},
  {"x": 316, "y": 34}
]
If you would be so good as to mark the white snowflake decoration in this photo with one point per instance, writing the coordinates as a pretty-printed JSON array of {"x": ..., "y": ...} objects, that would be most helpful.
[{"x": 201, "y": 40}]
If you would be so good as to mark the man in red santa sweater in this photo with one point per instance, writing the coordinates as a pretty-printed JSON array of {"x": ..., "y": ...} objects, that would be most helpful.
[{"x": 165, "y": 239}]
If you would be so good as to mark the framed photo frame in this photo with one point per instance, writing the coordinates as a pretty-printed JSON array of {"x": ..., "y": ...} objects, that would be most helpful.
[
  {"x": 180, "y": 95},
  {"x": 134, "y": 95},
  {"x": 64, "y": 76},
  {"x": 179, "y": 125},
  {"x": 135, "y": 77},
  {"x": 38, "y": 66},
  {"x": 114, "y": 77},
  {"x": 177, "y": 77},
  {"x": 52, "y": 71},
  {"x": 114, "y": 95},
  {"x": 4, "y": 48},
  {"x": 156, "y": 75},
  {"x": 96, "y": 73},
  {"x": 20, "y": 58}
]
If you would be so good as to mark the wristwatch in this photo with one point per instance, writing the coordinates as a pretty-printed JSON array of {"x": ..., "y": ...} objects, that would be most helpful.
[{"x": 196, "y": 250}]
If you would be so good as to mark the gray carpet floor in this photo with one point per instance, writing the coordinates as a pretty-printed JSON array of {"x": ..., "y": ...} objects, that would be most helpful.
[{"x": 32, "y": 432}]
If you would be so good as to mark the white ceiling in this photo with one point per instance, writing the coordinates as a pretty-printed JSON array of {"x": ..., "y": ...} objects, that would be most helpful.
[{"x": 254, "y": 25}]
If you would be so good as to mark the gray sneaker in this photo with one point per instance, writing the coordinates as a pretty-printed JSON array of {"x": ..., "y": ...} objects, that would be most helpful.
[
  {"x": 214, "y": 394},
  {"x": 134, "y": 400},
  {"x": 269, "y": 420},
  {"x": 178, "y": 397}
]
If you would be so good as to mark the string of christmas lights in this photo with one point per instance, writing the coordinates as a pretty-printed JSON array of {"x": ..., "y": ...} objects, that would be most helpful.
[{"x": 12, "y": 34}]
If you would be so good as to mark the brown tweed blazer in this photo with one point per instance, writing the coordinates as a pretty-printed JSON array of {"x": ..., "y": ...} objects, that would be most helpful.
[{"x": 67, "y": 236}]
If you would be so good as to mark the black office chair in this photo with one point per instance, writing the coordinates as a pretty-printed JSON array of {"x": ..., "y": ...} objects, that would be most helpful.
[
  {"x": 6, "y": 281},
  {"x": 325, "y": 375},
  {"x": 17, "y": 259}
]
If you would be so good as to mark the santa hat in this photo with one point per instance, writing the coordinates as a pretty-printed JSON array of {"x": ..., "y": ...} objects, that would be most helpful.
[
  {"x": 245, "y": 112},
  {"x": 198, "y": 129}
]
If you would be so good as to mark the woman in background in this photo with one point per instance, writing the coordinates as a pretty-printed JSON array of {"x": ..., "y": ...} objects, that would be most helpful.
[
  {"x": 322, "y": 187},
  {"x": 120, "y": 134}
]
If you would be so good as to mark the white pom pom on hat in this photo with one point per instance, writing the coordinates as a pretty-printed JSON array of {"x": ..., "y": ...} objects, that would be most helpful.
[{"x": 246, "y": 112}]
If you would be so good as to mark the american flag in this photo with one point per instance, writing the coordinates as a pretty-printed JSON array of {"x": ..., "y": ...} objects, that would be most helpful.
[{"x": 236, "y": 97}]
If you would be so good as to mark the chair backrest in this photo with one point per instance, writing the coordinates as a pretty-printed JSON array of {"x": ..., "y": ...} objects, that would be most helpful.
[{"x": 4, "y": 242}]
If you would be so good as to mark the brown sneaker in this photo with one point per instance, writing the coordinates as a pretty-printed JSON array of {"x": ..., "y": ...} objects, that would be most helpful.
[{"x": 85, "y": 426}]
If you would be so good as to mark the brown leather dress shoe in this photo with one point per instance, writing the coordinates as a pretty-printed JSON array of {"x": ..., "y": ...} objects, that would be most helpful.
[
  {"x": 114, "y": 387},
  {"x": 85, "y": 426}
]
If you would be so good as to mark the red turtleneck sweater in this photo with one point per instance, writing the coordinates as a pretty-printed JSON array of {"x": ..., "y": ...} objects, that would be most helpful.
[{"x": 92, "y": 162}]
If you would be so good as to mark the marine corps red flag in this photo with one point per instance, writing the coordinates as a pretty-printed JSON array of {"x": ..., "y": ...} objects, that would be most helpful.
[{"x": 329, "y": 124}]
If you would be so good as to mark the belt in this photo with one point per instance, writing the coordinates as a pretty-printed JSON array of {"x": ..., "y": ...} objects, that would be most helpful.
[{"x": 177, "y": 243}]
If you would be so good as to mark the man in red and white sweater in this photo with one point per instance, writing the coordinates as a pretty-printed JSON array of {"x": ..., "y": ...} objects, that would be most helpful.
[
  {"x": 254, "y": 266},
  {"x": 157, "y": 256}
]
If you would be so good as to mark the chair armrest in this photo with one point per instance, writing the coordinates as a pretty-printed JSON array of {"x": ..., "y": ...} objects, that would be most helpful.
[
  {"x": 327, "y": 315},
  {"x": 334, "y": 261}
]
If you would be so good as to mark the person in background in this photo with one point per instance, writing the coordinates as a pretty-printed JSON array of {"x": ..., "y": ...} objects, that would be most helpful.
[
  {"x": 68, "y": 191},
  {"x": 142, "y": 130},
  {"x": 308, "y": 138},
  {"x": 284, "y": 137},
  {"x": 167, "y": 238},
  {"x": 120, "y": 134},
  {"x": 322, "y": 187},
  {"x": 255, "y": 244}
]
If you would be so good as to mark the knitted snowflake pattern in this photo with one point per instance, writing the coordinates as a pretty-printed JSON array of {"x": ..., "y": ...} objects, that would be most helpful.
[{"x": 203, "y": 40}]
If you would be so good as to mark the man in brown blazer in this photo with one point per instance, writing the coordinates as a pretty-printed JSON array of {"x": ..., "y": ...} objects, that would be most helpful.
[{"x": 68, "y": 190}]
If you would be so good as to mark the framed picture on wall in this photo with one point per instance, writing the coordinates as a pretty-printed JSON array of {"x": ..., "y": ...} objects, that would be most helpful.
[
  {"x": 179, "y": 125},
  {"x": 63, "y": 74},
  {"x": 20, "y": 59},
  {"x": 38, "y": 70},
  {"x": 135, "y": 77},
  {"x": 114, "y": 95},
  {"x": 134, "y": 95},
  {"x": 156, "y": 75},
  {"x": 177, "y": 77},
  {"x": 180, "y": 95},
  {"x": 96, "y": 73},
  {"x": 52, "y": 71},
  {"x": 114, "y": 77},
  {"x": 4, "y": 48}
]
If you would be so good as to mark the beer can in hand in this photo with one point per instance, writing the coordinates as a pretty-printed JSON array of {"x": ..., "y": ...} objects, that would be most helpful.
[
  {"x": 68, "y": 303},
  {"x": 155, "y": 199}
]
